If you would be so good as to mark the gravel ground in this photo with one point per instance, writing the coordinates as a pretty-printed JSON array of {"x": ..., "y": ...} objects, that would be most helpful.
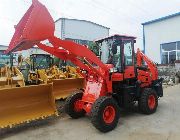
[{"x": 163, "y": 125}]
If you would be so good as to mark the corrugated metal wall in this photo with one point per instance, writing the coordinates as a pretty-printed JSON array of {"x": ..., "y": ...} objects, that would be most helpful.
[
  {"x": 160, "y": 32},
  {"x": 80, "y": 29}
]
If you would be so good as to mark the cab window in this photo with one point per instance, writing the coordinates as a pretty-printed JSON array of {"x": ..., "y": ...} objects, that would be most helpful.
[{"x": 128, "y": 53}]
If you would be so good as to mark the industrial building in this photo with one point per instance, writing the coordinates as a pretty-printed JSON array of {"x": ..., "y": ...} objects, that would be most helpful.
[
  {"x": 79, "y": 31},
  {"x": 162, "y": 39}
]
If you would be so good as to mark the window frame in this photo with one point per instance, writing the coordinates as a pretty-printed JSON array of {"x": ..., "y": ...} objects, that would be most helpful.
[
  {"x": 132, "y": 48},
  {"x": 176, "y": 50}
]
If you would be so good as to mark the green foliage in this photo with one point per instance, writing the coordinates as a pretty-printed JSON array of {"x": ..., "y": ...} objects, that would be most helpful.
[{"x": 94, "y": 48}]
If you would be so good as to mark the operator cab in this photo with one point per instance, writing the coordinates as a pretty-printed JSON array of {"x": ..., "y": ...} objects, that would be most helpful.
[
  {"x": 41, "y": 61},
  {"x": 118, "y": 51}
]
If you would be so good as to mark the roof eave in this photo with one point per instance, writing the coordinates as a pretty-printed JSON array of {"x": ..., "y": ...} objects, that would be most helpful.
[{"x": 161, "y": 19}]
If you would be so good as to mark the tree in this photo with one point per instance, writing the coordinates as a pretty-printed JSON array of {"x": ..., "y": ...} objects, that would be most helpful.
[{"x": 94, "y": 48}]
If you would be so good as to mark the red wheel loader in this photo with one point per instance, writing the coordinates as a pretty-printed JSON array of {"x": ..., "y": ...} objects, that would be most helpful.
[{"x": 113, "y": 81}]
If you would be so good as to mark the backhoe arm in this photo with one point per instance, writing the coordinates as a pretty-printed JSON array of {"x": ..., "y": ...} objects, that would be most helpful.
[{"x": 151, "y": 65}]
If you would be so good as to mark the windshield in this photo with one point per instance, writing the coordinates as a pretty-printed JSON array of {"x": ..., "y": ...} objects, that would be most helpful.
[
  {"x": 105, "y": 52},
  {"x": 111, "y": 52},
  {"x": 41, "y": 61},
  {"x": 4, "y": 59}
]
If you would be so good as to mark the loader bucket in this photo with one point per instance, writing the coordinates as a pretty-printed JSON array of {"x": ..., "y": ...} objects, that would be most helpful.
[
  {"x": 64, "y": 87},
  {"x": 23, "y": 104},
  {"x": 36, "y": 25},
  {"x": 3, "y": 81}
]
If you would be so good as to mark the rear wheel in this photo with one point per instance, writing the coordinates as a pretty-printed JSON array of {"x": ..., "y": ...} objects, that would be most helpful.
[
  {"x": 73, "y": 105},
  {"x": 148, "y": 101},
  {"x": 105, "y": 114}
]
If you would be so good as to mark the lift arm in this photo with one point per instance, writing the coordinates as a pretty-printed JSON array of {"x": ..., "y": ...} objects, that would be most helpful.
[
  {"x": 30, "y": 32},
  {"x": 37, "y": 25}
]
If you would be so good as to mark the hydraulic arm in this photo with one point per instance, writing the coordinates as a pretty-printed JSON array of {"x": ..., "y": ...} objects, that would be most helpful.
[
  {"x": 151, "y": 66},
  {"x": 29, "y": 32}
]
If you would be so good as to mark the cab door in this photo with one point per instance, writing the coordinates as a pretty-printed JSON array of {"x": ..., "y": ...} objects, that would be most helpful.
[{"x": 129, "y": 71}]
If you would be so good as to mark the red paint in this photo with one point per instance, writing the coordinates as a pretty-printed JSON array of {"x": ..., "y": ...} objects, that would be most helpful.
[
  {"x": 78, "y": 105},
  {"x": 117, "y": 77},
  {"x": 152, "y": 68},
  {"x": 151, "y": 102},
  {"x": 36, "y": 25},
  {"x": 145, "y": 78},
  {"x": 87, "y": 107},
  {"x": 109, "y": 114},
  {"x": 129, "y": 72}
]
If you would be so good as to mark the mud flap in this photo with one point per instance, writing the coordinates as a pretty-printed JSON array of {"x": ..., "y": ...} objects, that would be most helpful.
[
  {"x": 64, "y": 87},
  {"x": 23, "y": 104}
]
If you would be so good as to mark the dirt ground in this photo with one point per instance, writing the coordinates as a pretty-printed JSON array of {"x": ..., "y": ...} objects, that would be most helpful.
[{"x": 163, "y": 125}]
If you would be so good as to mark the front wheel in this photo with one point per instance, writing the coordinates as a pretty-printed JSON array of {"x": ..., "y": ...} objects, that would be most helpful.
[
  {"x": 73, "y": 105},
  {"x": 105, "y": 114},
  {"x": 148, "y": 101}
]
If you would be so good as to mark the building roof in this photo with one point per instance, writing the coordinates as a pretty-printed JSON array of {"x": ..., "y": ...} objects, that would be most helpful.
[
  {"x": 3, "y": 47},
  {"x": 83, "y": 21},
  {"x": 161, "y": 19}
]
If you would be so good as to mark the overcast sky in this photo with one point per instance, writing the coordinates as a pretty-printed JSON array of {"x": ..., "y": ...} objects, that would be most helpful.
[{"x": 122, "y": 16}]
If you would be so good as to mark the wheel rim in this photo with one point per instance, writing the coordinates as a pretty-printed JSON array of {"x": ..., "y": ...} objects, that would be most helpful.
[
  {"x": 77, "y": 106},
  {"x": 151, "y": 101},
  {"x": 109, "y": 114}
]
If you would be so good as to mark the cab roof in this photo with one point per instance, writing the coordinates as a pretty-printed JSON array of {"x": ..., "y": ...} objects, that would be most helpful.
[{"x": 116, "y": 36}]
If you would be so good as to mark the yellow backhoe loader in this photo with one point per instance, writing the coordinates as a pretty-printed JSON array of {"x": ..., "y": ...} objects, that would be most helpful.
[
  {"x": 20, "y": 103},
  {"x": 42, "y": 70},
  {"x": 10, "y": 76}
]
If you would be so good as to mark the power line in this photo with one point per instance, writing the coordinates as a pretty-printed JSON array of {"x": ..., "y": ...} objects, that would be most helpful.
[
  {"x": 103, "y": 8},
  {"x": 110, "y": 11},
  {"x": 140, "y": 8},
  {"x": 114, "y": 12}
]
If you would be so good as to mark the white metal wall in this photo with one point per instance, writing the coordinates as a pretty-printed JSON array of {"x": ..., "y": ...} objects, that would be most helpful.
[
  {"x": 157, "y": 33},
  {"x": 58, "y": 29},
  {"x": 2, "y": 48},
  {"x": 80, "y": 29},
  {"x": 27, "y": 53}
]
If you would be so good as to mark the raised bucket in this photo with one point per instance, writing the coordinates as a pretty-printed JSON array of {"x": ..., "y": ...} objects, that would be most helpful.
[{"x": 36, "y": 25}]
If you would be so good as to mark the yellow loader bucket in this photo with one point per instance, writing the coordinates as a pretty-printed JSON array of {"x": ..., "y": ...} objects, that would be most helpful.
[
  {"x": 23, "y": 104},
  {"x": 64, "y": 87}
]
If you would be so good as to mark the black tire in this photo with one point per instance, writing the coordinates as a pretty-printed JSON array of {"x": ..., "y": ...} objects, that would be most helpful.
[
  {"x": 97, "y": 111},
  {"x": 69, "y": 105},
  {"x": 143, "y": 101}
]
